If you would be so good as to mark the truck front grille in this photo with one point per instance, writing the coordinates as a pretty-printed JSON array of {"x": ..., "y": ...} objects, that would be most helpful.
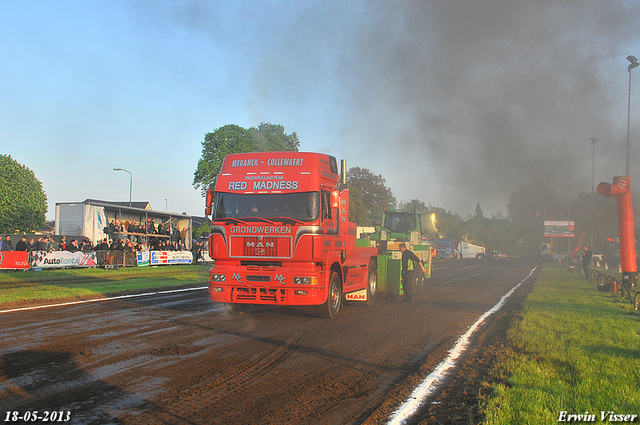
[
  {"x": 260, "y": 246},
  {"x": 266, "y": 295}
]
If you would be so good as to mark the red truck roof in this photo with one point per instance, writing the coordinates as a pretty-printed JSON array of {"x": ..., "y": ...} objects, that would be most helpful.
[{"x": 276, "y": 172}]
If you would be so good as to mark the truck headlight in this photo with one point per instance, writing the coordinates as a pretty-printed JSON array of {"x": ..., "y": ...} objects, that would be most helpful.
[
  {"x": 305, "y": 280},
  {"x": 216, "y": 277}
]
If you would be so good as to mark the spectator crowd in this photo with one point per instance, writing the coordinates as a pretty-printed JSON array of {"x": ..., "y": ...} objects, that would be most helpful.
[
  {"x": 125, "y": 236},
  {"x": 163, "y": 237}
]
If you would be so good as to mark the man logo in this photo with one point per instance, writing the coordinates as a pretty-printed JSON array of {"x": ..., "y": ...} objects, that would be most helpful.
[
  {"x": 360, "y": 295},
  {"x": 261, "y": 245}
]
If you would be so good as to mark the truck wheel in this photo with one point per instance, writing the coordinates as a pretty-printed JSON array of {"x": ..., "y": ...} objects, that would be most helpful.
[
  {"x": 330, "y": 308},
  {"x": 372, "y": 283},
  {"x": 480, "y": 256}
]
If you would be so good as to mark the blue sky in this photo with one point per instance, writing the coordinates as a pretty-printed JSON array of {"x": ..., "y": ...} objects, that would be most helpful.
[{"x": 454, "y": 103}]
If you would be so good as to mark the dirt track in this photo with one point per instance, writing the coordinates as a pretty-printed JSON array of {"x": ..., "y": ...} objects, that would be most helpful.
[{"x": 181, "y": 359}]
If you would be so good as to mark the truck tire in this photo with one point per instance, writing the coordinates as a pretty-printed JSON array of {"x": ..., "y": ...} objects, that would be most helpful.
[
  {"x": 330, "y": 308},
  {"x": 372, "y": 283},
  {"x": 480, "y": 256}
]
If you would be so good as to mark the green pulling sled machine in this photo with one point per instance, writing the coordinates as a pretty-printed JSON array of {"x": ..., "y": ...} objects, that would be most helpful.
[{"x": 399, "y": 226}]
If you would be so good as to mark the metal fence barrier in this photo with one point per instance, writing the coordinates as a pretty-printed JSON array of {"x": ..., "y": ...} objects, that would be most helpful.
[
  {"x": 608, "y": 283},
  {"x": 116, "y": 259}
]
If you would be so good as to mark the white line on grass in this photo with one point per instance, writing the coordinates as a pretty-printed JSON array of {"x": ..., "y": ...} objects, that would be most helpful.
[
  {"x": 169, "y": 291},
  {"x": 432, "y": 382}
]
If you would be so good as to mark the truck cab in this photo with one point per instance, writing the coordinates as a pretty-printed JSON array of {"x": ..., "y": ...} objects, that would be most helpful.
[
  {"x": 469, "y": 250},
  {"x": 280, "y": 234}
]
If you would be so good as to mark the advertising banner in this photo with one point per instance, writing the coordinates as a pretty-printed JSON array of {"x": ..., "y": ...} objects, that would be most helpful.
[
  {"x": 14, "y": 260},
  {"x": 143, "y": 258},
  {"x": 58, "y": 259},
  {"x": 559, "y": 229},
  {"x": 170, "y": 257},
  {"x": 94, "y": 222}
]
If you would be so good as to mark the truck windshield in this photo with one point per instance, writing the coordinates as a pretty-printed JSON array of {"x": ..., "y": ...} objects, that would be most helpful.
[
  {"x": 399, "y": 221},
  {"x": 302, "y": 206}
]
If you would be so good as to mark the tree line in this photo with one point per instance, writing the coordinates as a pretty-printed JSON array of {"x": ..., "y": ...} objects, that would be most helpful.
[
  {"x": 23, "y": 203},
  {"x": 521, "y": 231}
]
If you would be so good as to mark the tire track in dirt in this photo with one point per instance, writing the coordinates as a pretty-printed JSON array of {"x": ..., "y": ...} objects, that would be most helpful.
[
  {"x": 187, "y": 402},
  {"x": 180, "y": 359}
]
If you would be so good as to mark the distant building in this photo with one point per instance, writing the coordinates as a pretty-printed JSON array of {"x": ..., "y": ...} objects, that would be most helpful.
[{"x": 91, "y": 217}]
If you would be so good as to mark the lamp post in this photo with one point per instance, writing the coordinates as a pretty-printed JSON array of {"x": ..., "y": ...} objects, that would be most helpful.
[
  {"x": 593, "y": 169},
  {"x": 130, "y": 181},
  {"x": 166, "y": 205},
  {"x": 633, "y": 64}
]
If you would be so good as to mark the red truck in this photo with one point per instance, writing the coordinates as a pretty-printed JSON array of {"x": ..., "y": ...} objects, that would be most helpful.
[{"x": 281, "y": 234}]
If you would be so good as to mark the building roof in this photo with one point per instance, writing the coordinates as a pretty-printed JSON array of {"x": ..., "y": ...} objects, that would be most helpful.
[
  {"x": 198, "y": 221},
  {"x": 137, "y": 204},
  {"x": 136, "y": 207}
]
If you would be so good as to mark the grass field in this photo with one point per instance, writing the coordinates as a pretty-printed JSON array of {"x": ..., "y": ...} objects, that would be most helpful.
[
  {"x": 576, "y": 350},
  {"x": 79, "y": 283}
]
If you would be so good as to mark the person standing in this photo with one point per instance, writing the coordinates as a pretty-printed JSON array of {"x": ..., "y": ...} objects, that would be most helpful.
[
  {"x": 72, "y": 246},
  {"x": 6, "y": 244},
  {"x": 51, "y": 244},
  {"x": 176, "y": 234},
  {"x": 62, "y": 245},
  {"x": 22, "y": 244},
  {"x": 586, "y": 261},
  {"x": 409, "y": 260}
]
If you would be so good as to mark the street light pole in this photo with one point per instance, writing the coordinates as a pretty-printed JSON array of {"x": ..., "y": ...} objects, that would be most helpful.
[
  {"x": 130, "y": 181},
  {"x": 633, "y": 64},
  {"x": 593, "y": 169}
]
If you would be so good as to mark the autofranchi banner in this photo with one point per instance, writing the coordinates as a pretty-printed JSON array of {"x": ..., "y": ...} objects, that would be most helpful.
[
  {"x": 170, "y": 257},
  {"x": 559, "y": 229},
  {"x": 57, "y": 259},
  {"x": 14, "y": 260}
]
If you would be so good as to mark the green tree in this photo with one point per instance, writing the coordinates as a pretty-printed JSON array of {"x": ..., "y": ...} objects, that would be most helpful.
[
  {"x": 449, "y": 225},
  {"x": 414, "y": 205},
  {"x": 497, "y": 233},
  {"x": 371, "y": 191},
  {"x": 529, "y": 206},
  {"x": 358, "y": 211},
  {"x": 531, "y": 200},
  {"x": 232, "y": 138},
  {"x": 23, "y": 203},
  {"x": 272, "y": 138},
  {"x": 225, "y": 140},
  {"x": 478, "y": 212},
  {"x": 203, "y": 229},
  {"x": 598, "y": 215}
]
